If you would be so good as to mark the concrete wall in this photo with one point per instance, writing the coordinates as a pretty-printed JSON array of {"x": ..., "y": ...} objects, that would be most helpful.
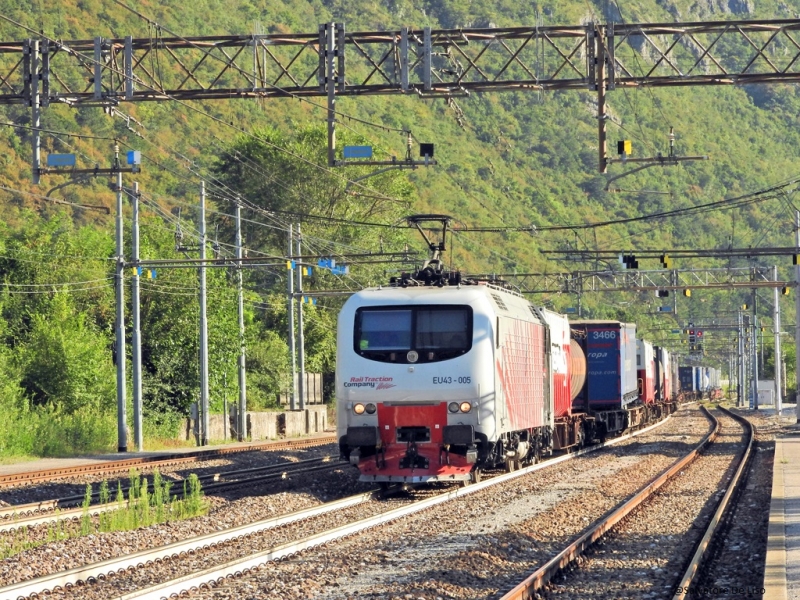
[
  {"x": 313, "y": 391},
  {"x": 317, "y": 418},
  {"x": 295, "y": 423},
  {"x": 263, "y": 425}
]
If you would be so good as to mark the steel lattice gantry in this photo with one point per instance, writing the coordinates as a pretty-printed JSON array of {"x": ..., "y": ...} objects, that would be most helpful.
[
  {"x": 581, "y": 282},
  {"x": 425, "y": 62},
  {"x": 428, "y": 63}
]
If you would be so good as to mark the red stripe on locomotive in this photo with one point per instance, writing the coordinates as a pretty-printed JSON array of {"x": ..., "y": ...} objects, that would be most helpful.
[{"x": 521, "y": 372}]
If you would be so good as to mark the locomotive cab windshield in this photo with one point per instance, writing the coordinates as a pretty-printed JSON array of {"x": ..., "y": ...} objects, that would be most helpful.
[{"x": 413, "y": 334}]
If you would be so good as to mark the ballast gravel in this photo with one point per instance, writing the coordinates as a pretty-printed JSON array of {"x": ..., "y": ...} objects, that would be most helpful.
[
  {"x": 644, "y": 557},
  {"x": 480, "y": 544},
  {"x": 736, "y": 567},
  {"x": 468, "y": 548}
]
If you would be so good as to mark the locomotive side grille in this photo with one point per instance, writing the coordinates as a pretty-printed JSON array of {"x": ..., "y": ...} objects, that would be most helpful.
[{"x": 500, "y": 304}]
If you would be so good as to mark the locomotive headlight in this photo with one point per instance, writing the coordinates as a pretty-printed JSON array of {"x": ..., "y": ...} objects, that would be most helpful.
[
  {"x": 465, "y": 407},
  {"x": 453, "y": 407},
  {"x": 370, "y": 408},
  {"x": 358, "y": 408}
]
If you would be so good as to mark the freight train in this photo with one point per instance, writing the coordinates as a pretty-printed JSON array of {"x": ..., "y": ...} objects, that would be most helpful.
[{"x": 439, "y": 378}]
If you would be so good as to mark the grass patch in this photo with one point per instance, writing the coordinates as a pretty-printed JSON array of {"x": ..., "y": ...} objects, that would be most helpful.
[{"x": 145, "y": 505}]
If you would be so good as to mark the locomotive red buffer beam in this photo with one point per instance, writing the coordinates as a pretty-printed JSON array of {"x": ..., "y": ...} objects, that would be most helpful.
[{"x": 414, "y": 444}]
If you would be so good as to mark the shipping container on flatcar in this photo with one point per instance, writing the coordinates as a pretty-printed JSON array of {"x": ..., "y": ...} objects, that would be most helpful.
[
  {"x": 663, "y": 383},
  {"x": 610, "y": 348},
  {"x": 688, "y": 382},
  {"x": 674, "y": 377},
  {"x": 611, "y": 382},
  {"x": 701, "y": 381},
  {"x": 646, "y": 371}
]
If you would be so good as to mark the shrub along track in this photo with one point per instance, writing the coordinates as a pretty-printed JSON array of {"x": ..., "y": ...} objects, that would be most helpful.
[
  {"x": 39, "y": 513},
  {"x": 63, "y": 493}
]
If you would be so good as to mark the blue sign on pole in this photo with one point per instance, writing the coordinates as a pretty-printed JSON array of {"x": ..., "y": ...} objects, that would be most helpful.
[
  {"x": 134, "y": 157},
  {"x": 60, "y": 160},
  {"x": 570, "y": 310},
  {"x": 358, "y": 151},
  {"x": 664, "y": 309}
]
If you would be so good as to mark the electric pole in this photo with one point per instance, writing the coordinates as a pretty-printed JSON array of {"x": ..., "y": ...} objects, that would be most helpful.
[
  {"x": 797, "y": 319},
  {"x": 122, "y": 412},
  {"x": 776, "y": 323},
  {"x": 290, "y": 285},
  {"x": 204, "y": 417},
  {"x": 242, "y": 424},
  {"x": 301, "y": 346},
  {"x": 136, "y": 352}
]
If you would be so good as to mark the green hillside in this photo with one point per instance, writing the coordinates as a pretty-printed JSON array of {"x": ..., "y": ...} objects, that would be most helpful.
[{"x": 510, "y": 159}]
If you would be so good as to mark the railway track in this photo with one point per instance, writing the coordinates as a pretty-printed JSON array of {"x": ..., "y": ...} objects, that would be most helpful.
[
  {"x": 646, "y": 558},
  {"x": 248, "y": 549},
  {"x": 152, "y": 462},
  {"x": 38, "y": 513}
]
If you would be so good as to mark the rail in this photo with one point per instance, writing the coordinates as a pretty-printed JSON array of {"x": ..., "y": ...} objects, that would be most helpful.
[
  {"x": 65, "y": 579},
  {"x": 30, "y": 515},
  {"x": 683, "y": 590},
  {"x": 527, "y": 589},
  {"x": 117, "y": 466}
]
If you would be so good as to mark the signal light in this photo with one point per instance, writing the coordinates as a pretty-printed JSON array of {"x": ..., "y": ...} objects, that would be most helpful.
[
  {"x": 794, "y": 259},
  {"x": 629, "y": 261},
  {"x": 745, "y": 306},
  {"x": 624, "y": 147},
  {"x": 785, "y": 290},
  {"x": 687, "y": 292},
  {"x": 666, "y": 261},
  {"x": 662, "y": 293},
  {"x": 699, "y": 333}
]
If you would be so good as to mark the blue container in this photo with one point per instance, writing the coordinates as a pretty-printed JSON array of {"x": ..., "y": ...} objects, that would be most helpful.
[{"x": 610, "y": 348}]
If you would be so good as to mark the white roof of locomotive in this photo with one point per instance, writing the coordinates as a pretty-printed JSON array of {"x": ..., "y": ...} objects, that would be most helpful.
[
  {"x": 501, "y": 300},
  {"x": 427, "y": 294}
]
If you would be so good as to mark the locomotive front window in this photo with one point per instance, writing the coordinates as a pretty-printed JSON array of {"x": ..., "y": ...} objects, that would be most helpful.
[
  {"x": 442, "y": 329},
  {"x": 409, "y": 334},
  {"x": 385, "y": 330}
]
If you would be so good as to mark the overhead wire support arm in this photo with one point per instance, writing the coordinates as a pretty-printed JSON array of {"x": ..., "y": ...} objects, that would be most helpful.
[{"x": 656, "y": 161}]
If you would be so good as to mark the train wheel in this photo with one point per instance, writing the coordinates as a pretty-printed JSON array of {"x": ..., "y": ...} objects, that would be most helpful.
[
  {"x": 511, "y": 465},
  {"x": 476, "y": 476}
]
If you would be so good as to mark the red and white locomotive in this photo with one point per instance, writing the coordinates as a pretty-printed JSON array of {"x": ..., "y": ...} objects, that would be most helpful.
[
  {"x": 432, "y": 381},
  {"x": 438, "y": 378}
]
